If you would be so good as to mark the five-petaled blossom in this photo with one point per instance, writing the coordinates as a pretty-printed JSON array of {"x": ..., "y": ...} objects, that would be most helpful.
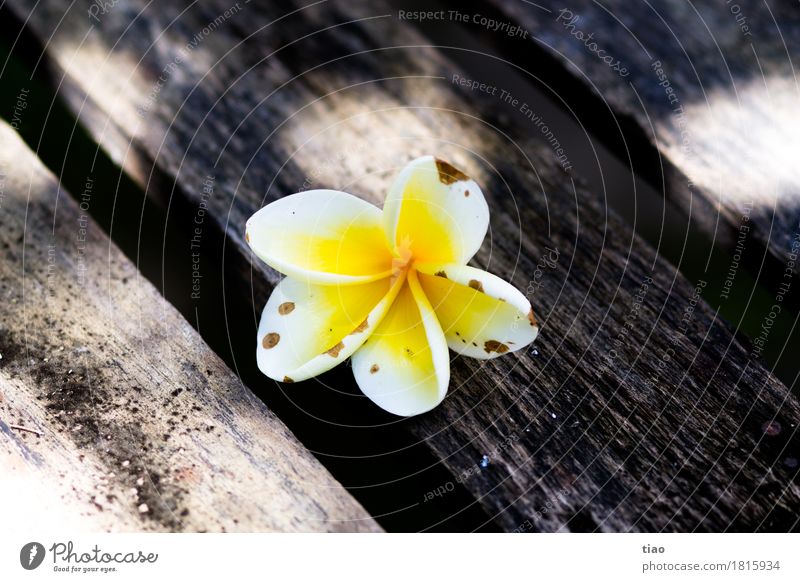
[{"x": 390, "y": 287}]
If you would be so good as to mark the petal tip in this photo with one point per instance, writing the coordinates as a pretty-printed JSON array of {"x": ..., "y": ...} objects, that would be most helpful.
[{"x": 449, "y": 174}]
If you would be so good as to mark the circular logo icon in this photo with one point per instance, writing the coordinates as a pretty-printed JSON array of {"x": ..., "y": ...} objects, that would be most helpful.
[{"x": 31, "y": 555}]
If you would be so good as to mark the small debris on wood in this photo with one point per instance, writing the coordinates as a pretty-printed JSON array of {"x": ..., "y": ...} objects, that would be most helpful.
[{"x": 26, "y": 429}]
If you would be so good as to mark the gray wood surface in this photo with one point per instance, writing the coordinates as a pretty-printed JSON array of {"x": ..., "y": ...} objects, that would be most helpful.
[
  {"x": 711, "y": 86},
  {"x": 636, "y": 409},
  {"x": 114, "y": 415}
]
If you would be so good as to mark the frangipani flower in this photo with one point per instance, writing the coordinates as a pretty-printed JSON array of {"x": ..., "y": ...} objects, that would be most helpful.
[{"x": 390, "y": 287}]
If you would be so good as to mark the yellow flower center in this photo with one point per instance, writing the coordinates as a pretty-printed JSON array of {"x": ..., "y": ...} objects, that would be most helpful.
[
  {"x": 402, "y": 257},
  {"x": 402, "y": 260}
]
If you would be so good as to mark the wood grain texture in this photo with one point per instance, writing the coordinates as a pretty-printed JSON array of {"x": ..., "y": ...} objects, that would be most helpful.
[
  {"x": 637, "y": 409},
  {"x": 711, "y": 85},
  {"x": 140, "y": 426}
]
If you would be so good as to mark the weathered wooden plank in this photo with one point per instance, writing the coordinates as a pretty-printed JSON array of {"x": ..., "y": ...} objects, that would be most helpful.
[
  {"x": 710, "y": 85},
  {"x": 637, "y": 410},
  {"x": 114, "y": 415}
]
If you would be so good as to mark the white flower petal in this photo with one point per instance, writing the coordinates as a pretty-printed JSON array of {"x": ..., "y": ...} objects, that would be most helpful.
[
  {"x": 436, "y": 211},
  {"x": 482, "y": 316},
  {"x": 404, "y": 367},
  {"x": 321, "y": 236},
  {"x": 307, "y": 329}
]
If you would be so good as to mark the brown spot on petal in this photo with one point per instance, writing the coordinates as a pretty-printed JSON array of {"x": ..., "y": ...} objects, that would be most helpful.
[
  {"x": 288, "y": 380},
  {"x": 270, "y": 340},
  {"x": 285, "y": 308},
  {"x": 495, "y": 346},
  {"x": 247, "y": 236},
  {"x": 334, "y": 351},
  {"x": 362, "y": 326},
  {"x": 532, "y": 318},
  {"x": 374, "y": 368},
  {"x": 449, "y": 174},
  {"x": 466, "y": 193},
  {"x": 475, "y": 284},
  {"x": 441, "y": 274}
]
